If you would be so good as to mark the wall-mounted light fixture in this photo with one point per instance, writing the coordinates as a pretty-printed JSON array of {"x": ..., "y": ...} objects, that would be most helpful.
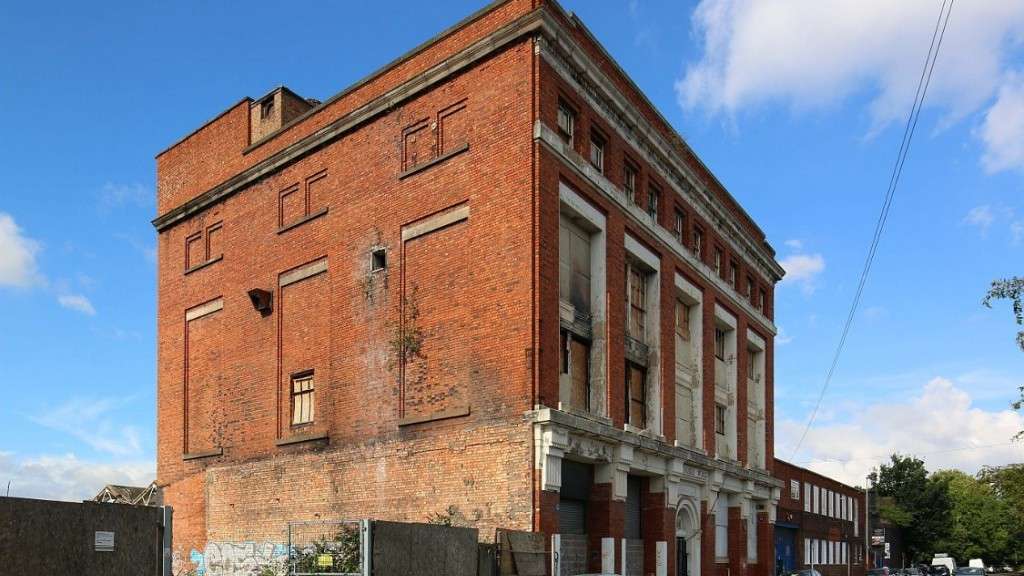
[{"x": 262, "y": 300}]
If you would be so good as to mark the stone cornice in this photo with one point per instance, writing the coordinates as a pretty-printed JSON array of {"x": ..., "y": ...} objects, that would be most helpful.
[
  {"x": 573, "y": 65},
  {"x": 594, "y": 428},
  {"x": 643, "y": 220}
]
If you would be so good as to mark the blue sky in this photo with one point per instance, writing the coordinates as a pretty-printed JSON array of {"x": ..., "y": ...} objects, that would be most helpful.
[{"x": 798, "y": 111}]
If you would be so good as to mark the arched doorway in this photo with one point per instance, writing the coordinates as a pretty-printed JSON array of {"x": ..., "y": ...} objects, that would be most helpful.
[{"x": 687, "y": 538}]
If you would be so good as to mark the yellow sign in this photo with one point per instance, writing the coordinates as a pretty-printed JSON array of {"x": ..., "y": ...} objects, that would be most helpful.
[{"x": 325, "y": 561}]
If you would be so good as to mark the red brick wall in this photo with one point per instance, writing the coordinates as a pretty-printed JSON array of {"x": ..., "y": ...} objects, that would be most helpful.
[
  {"x": 201, "y": 161},
  {"x": 475, "y": 290}
]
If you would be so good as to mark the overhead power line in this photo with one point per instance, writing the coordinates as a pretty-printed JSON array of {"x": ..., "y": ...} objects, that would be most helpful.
[{"x": 908, "y": 134}]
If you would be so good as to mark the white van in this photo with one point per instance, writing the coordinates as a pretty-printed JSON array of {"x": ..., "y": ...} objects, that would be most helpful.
[
  {"x": 944, "y": 560},
  {"x": 976, "y": 563}
]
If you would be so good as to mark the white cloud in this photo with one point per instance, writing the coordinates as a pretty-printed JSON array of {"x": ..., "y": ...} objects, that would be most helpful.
[
  {"x": 66, "y": 477},
  {"x": 782, "y": 338},
  {"x": 78, "y": 303},
  {"x": 815, "y": 54},
  {"x": 1002, "y": 132},
  {"x": 794, "y": 244},
  {"x": 115, "y": 195},
  {"x": 17, "y": 255},
  {"x": 803, "y": 269},
  {"x": 938, "y": 423},
  {"x": 980, "y": 217},
  {"x": 1016, "y": 232},
  {"x": 91, "y": 421}
]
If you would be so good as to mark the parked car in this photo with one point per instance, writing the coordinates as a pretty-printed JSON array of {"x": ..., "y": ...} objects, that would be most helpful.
[
  {"x": 970, "y": 571},
  {"x": 939, "y": 570},
  {"x": 912, "y": 571},
  {"x": 883, "y": 571}
]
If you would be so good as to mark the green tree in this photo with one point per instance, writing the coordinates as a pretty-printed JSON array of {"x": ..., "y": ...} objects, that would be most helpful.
[
  {"x": 922, "y": 504},
  {"x": 1007, "y": 482},
  {"x": 1011, "y": 289},
  {"x": 980, "y": 523}
]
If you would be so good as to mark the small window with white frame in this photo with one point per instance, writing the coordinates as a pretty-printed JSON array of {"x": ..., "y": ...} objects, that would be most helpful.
[
  {"x": 629, "y": 181},
  {"x": 302, "y": 398},
  {"x": 566, "y": 123},
  {"x": 597, "y": 146},
  {"x": 794, "y": 489}
]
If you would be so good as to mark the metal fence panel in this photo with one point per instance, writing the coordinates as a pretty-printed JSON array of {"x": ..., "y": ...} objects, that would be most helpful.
[{"x": 328, "y": 548}]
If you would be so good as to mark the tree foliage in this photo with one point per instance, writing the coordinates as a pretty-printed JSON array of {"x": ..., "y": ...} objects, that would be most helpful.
[
  {"x": 1007, "y": 484},
  {"x": 922, "y": 503},
  {"x": 981, "y": 525},
  {"x": 1011, "y": 289}
]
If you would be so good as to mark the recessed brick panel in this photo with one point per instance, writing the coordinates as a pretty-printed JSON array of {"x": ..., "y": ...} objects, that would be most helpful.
[
  {"x": 418, "y": 144},
  {"x": 195, "y": 250},
  {"x": 304, "y": 309},
  {"x": 214, "y": 244},
  {"x": 454, "y": 127},
  {"x": 439, "y": 285},
  {"x": 205, "y": 406},
  {"x": 292, "y": 205},
  {"x": 316, "y": 191}
]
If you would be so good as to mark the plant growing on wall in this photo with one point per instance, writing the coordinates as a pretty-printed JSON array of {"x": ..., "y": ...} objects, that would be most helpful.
[
  {"x": 339, "y": 554},
  {"x": 406, "y": 342}
]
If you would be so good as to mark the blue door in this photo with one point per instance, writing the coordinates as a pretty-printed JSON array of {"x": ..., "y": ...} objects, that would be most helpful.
[{"x": 785, "y": 549}]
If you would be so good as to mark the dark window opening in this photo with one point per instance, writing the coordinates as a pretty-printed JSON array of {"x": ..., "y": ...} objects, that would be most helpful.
[
  {"x": 378, "y": 259},
  {"x": 266, "y": 108},
  {"x": 720, "y": 419}
]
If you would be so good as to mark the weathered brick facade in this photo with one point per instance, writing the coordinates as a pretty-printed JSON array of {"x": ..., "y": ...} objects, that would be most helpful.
[{"x": 361, "y": 313}]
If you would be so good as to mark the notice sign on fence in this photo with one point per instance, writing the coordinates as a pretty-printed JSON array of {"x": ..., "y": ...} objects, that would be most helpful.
[{"x": 104, "y": 541}]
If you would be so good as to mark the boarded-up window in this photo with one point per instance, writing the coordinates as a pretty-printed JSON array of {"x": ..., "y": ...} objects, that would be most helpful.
[
  {"x": 574, "y": 265},
  {"x": 575, "y": 362},
  {"x": 302, "y": 399},
  {"x": 685, "y": 425},
  {"x": 636, "y": 395},
  {"x": 636, "y": 302}
]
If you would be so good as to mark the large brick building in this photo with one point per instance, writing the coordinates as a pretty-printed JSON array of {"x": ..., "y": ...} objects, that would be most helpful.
[
  {"x": 491, "y": 279},
  {"x": 821, "y": 523}
]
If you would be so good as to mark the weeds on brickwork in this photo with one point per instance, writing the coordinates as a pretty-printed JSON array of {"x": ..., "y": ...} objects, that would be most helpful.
[
  {"x": 339, "y": 554},
  {"x": 451, "y": 516},
  {"x": 406, "y": 340}
]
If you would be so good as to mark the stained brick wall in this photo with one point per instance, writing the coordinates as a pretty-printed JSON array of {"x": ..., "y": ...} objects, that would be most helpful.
[{"x": 473, "y": 288}]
